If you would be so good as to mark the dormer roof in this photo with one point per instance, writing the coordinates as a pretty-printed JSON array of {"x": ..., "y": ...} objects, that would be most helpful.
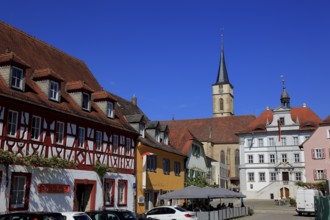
[
  {"x": 46, "y": 73},
  {"x": 152, "y": 125},
  {"x": 11, "y": 58},
  {"x": 137, "y": 118},
  {"x": 78, "y": 86},
  {"x": 103, "y": 96}
]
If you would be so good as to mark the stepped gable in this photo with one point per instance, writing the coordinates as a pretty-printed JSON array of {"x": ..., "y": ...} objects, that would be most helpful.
[
  {"x": 220, "y": 130},
  {"x": 42, "y": 60},
  {"x": 306, "y": 118}
]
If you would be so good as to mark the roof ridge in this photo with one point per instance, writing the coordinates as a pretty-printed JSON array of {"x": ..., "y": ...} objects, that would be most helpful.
[{"x": 40, "y": 41}]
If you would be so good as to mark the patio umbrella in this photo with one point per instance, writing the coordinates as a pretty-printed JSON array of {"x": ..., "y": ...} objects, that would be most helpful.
[{"x": 189, "y": 192}]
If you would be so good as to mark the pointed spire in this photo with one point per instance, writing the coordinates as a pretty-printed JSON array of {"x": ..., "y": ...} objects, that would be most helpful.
[
  {"x": 285, "y": 98},
  {"x": 222, "y": 77}
]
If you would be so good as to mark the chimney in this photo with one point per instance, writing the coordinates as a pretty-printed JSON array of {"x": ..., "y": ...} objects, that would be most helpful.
[{"x": 134, "y": 100}]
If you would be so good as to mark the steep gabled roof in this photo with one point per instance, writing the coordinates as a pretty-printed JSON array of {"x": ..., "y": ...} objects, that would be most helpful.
[
  {"x": 220, "y": 130},
  {"x": 181, "y": 139},
  {"x": 326, "y": 121}
]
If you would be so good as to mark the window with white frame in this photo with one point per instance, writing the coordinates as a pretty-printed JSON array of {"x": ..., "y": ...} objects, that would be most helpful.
[
  {"x": 177, "y": 168},
  {"x": 272, "y": 176},
  {"x": 318, "y": 153},
  {"x": 251, "y": 177},
  {"x": 109, "y": 192},
  {"x": 296, "y": 158},
  {"x": 115, "y": 144},
  {"x": 166, "y": 166},
  {"x": 260, "y": 142},
  {"x": 249, "y": 142},
  {"x": 59, "y": 132},
  {"x": 271, "y": 142},
  {"x": 283, "y": 141},
  {"x": 98, "y": 140},
  {"x": 122, "y": 192},
  {"x": 19, "y": 192},
  {"x": 54, "y": 90},
  {"x": 271, "y": 158},
  {"x": 85, "y": 101},
  {"x": 17, "y": 78},
  {"x": 295, "y": 141},
  {"x": 262, "y": 177},
  {"x": 110, "y": 109},
  {"x": 284, "y": 158},
  {"x": 35, "y": 128},
  {"x": 12, "y": 123},
  {"x": 320, "y": 174},
  {"x": 250, "y": 158},
  {"x": 298, "y": 176},
  {"x": 81, "y": 137},
  {"x": 128, "y": 146},
  {"x": 261, "y": 158}
]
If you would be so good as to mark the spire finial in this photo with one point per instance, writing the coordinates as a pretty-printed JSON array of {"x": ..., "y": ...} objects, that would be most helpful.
[
  {"x": 285, "y": 98},
  {"x": 222, "y": 30}
]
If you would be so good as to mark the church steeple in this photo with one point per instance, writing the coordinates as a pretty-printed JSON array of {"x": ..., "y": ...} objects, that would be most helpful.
[
  {"x": 222, "y": 90},
  {"x": 285, "y": 98}
]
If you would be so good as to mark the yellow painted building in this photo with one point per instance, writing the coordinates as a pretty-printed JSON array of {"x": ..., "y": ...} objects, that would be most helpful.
[{"x": 159, "y": 169}]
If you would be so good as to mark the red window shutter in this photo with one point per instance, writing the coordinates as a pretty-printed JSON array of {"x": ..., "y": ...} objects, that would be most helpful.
[
  {"x": 315, "y": 174},
  {"x": 313, "y": 153},
  {"x": 325, "y": 174},
  {"x": 323, "y": 153}
]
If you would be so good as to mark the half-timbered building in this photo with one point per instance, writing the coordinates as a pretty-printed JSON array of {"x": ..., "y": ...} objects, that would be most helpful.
[{"x": 53, "y": 111}]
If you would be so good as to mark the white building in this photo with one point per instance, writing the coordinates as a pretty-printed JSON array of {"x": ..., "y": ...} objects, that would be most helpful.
[{"x": 270, "y": 158}]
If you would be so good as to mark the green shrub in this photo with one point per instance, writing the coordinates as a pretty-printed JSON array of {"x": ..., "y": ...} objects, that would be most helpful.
[
  {"x": 250, "y": 211},
  {"x": 292, "y": 201}
]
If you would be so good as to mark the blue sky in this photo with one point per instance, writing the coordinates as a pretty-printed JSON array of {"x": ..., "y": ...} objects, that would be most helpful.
[{"x": 166, "y": 52}]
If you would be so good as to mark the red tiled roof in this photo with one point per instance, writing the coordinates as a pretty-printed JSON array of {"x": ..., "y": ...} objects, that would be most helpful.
[
  {"x": 103, "y": 95},
  {"x": 12, "y": 58},
  {"x": 45, "y": 60},
  {"x": 220, "y": 130},
  {"x": 326, "y": 120},
  {"x": 46, "y": 74},
  {"x": 181, "y": 139},
  {"x": 305, "y": 116}
]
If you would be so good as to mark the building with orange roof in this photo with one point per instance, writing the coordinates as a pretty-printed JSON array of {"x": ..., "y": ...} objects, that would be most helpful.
[
  {"x": 64, "y": 142},
  {"x": 271, "y": 159}
]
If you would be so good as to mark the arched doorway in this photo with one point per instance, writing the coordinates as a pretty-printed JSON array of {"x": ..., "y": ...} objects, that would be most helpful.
[{"x": 285, "y": 193}]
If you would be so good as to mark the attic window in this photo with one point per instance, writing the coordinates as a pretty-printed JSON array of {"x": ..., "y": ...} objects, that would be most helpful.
[
  {"x": 110, "y": 109},
  {"x": 17, "y": 78},
  {"x": 282, "y": 121},
  {"x": 141, "y": 129},
  {"x": 85, "y": 101},
  {"x": 54, "y": 91}
]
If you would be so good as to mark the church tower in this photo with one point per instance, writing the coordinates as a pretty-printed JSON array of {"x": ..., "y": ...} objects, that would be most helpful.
[{"x": 222, "y": 90}]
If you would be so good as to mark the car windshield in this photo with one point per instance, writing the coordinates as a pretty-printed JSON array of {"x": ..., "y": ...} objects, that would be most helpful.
[
  {"x": 128, "y": 215},
  {"x": 81, "y": 217}
]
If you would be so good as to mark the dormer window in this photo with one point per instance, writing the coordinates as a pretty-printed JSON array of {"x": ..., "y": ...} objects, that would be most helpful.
[
  {"x": 54, "y": 89},
  {"x": 141, "y": 129},
  {"x": 110, "y": 109},
  {"x": 165, "y": 141},
  {"x": 282, "y": 121},
  {"x": 85, "y": 101},
  {"x": 17, "y": 78},
  {"x": 157, "y": 136}
]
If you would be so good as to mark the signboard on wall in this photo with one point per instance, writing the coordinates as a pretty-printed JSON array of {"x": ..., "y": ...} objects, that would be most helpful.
[{"x": 54, "y": 188}]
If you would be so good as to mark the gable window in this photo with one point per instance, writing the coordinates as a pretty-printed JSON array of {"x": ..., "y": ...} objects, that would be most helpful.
[
  {"x": 12, "y": 123},
  {"x": 54, "y": 89},
  {"x": 19, "y": 191},
  {"x": 59, "y": 133},
  {"x": 141, "y": 129},
  {"x": 17, "y": 77},
  {"x": 177, "y": 168},
  {"x": 320, "y": 174},
  {"x": 165, "y": 141},
  {"x": 318, "y": 153},
  {"x": 166, "y": 166},
  {"x": 110, "y": 109},
  {"x": 109, "y": 192},
  {"x": 282, "y": 121},
  {"x": 115, "y": 144},
  {"x": 151, "y": 163},
  {"x": 81, "y": 137},
  {"x": 98, "y": 140},
  {"x": 250, "y": 158},
  {"x": 85, "y": 101},
  {"x": 122, "y": 192},
  {"x": 272, "y": 158},
  {"x": 157, "y": 135},
  {"x": 35, "y": 128},
  {"x": 128, "y": 146},
  {"x": 196, "y": 151}
]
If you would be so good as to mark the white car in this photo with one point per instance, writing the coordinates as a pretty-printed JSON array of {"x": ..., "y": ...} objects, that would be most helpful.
[
  {"x": 76, "y": 216},
  {"x": 170, "y": 212}
]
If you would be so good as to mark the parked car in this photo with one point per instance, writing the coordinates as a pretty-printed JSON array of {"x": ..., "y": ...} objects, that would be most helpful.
[
  {"x": 112, "y": 215},
  {"x": 76, "y": 216},
  {"x": 171, "y": 212},
  {"x": 32, "y": 216}
]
